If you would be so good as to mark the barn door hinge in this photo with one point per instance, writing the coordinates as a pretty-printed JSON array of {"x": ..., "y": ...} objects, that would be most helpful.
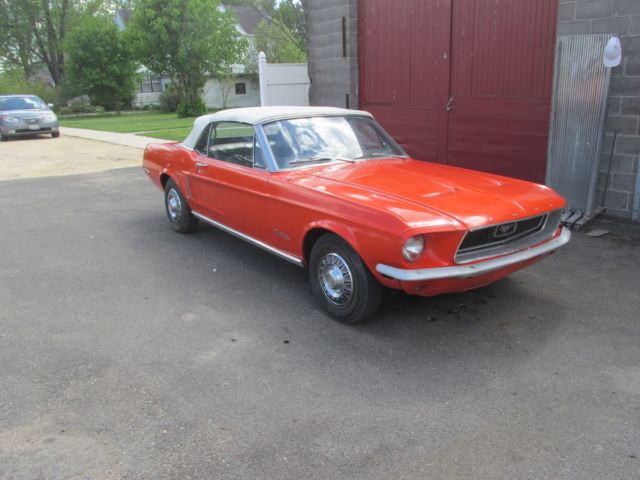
[{"x": 449, "y": 106}]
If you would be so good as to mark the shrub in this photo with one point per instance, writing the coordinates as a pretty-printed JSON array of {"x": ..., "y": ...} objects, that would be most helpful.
[
  {"x": 100, "y": 63},
  {"x": 193, "y": 108},
  {"x": 169, "y": 99}
]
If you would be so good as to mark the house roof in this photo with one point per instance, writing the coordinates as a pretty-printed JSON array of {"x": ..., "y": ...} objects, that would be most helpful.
[
  {"x": 248, "y": 17},
  {"x": 257, "y": 115}
]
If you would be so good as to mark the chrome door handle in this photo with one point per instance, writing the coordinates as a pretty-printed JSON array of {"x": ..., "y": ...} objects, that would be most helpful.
[{"x": 201, "y": 164}]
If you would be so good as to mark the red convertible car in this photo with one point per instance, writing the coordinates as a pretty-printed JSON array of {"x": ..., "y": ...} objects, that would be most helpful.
[{"x": 328, "y": 189}]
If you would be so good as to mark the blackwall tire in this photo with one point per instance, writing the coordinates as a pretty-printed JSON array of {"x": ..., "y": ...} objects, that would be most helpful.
[
  {"x": 178, "y": 211},
  {"x": 341, "y": 282}
]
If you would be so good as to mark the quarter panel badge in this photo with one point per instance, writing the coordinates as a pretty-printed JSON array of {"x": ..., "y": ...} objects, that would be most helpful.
[{"x": 280, "y": 234}]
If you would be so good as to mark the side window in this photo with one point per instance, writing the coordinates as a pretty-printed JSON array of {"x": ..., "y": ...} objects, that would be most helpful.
[
  {"x": 258, "y": 155},
  {"x": 232, "y": 142},
  {"x": 201, "y": 144},
  {"x": 367, "y": 136}
]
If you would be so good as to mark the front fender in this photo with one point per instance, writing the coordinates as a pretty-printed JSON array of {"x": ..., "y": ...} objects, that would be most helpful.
[
  {"x": 370, "y": 245},
  {"x": 343, "y": 231}
]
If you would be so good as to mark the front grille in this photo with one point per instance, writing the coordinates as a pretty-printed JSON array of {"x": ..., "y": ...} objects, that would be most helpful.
[
  {"x": 501, "y": 234},
  {"x": 26, "y": 130}
]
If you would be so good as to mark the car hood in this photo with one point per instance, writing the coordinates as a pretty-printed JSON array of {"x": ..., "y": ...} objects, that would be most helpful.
[
  {"x": 419, "y": 192},
  {"x": 31, "y": 113}
]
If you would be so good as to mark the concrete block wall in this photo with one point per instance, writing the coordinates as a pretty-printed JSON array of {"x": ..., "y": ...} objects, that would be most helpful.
[
  {"x": 333, "y": 76},
  {"x": 621, "y": 17}
]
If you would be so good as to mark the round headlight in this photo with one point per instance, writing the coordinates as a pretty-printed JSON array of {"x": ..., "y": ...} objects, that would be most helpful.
[{"x": 413, "y": 248}]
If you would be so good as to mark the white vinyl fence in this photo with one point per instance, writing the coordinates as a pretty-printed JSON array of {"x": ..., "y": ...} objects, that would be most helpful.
[{"x": 283, "y": 83}]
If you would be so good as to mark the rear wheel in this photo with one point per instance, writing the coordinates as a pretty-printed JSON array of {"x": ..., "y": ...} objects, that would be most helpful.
[
  {"x": 341, "y": 282},
  {"x": 3, "y": 138},
  {"x": 178, "y": 212}
]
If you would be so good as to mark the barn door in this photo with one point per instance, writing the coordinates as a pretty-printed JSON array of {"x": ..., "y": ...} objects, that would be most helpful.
[
  {"x": 404, "y": 79},
  {"x": 464, "y": 82},
  {"x": 501, "y": 79}
]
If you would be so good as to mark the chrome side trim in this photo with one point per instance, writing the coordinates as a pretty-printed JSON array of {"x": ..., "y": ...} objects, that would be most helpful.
[
  {"x": 480, "y": 268},
  {"x": 284, "y": 255}
]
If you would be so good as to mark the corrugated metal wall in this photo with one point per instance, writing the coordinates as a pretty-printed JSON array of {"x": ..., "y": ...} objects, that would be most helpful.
[{"x": 579, "y": 108}]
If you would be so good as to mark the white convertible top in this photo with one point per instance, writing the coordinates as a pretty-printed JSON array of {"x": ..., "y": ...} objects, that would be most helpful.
[{"x": 256, "y": 115}]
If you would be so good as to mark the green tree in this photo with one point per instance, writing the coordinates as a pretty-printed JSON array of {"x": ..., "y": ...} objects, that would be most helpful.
[
  {"x": 14, "y": 81},
  {"x": 187, "y": 40},
  {"x": 289, "y": 15},
  {"x": 277, "y": 42},
  {"x": 34, "y": 32},
  {"x": 282, "y": 34},
  {"x": 100, "y": 63}
]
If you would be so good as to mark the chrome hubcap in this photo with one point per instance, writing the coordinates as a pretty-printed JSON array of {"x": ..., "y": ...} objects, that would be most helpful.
[
  {"x": 336, "y": 279},
  {"x": 174, "y": 206}
]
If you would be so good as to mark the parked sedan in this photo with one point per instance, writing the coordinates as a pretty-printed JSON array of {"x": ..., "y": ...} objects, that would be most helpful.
[
  {"x": 26, "y": 115},
  {"x": 328, "y": 189}
]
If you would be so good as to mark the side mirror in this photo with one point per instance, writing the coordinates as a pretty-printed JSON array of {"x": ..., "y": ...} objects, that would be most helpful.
[{"x": 50, "y": 105}]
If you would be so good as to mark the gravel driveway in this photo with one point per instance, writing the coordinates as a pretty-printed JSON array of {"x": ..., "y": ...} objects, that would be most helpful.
[
  {"x": 129, "y": 351},
  {"x": 46, "y": 156}
]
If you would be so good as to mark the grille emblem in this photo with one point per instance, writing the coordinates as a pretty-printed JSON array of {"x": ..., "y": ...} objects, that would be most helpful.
[{"x": 504, "y": 230}]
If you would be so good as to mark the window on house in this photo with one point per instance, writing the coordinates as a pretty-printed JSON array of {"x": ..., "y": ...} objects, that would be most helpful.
[
  {"x": 145, "y": 86},
  {"x": 241, "y": 88},
  {"x": 156, "y": 85},
  {"x": 150, "y": 84}
]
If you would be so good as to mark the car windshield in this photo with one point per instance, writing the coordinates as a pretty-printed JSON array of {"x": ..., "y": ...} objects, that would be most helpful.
[
  {"x": 302, "y": 141},
  {"x": 21, "y": 103}
]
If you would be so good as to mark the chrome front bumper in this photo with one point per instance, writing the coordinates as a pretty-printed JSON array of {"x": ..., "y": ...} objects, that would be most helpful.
[{"x": 475, "y": 269}]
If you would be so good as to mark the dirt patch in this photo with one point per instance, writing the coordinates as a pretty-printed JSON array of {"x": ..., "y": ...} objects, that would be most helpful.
[
  {"x": 46, "y": 156},
  {"x": 45, "y": 450}
]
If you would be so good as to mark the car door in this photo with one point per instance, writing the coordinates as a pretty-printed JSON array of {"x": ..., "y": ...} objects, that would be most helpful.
[{"x": 228, "y": 181}]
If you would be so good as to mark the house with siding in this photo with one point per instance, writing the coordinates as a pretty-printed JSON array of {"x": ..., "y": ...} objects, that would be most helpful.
[{"x": 459, "y": 83}]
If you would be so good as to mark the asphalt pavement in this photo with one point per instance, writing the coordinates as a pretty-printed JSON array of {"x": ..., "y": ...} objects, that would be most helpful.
[{"x": 130, "y": 351}]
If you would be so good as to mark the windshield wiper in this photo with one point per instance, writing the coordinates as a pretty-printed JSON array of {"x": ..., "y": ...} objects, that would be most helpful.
[
  {"x": 320, "y": 159},
  {"x": 382, "y": 155}
]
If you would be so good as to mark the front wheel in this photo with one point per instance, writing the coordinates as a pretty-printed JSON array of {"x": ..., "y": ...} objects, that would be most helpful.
[
  {"x": 341, "y": 282},
  {"x": 178, "y": 212},
  {"x": 55, "y": 134}
]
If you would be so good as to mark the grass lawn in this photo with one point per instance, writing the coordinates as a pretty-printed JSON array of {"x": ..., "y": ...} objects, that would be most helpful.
[
  {"x": 166, "y": 126},
  {"x": 179, "y": 134},
  {"x": 134, "y": 122},
  {"x": 175, "y": 134}
]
